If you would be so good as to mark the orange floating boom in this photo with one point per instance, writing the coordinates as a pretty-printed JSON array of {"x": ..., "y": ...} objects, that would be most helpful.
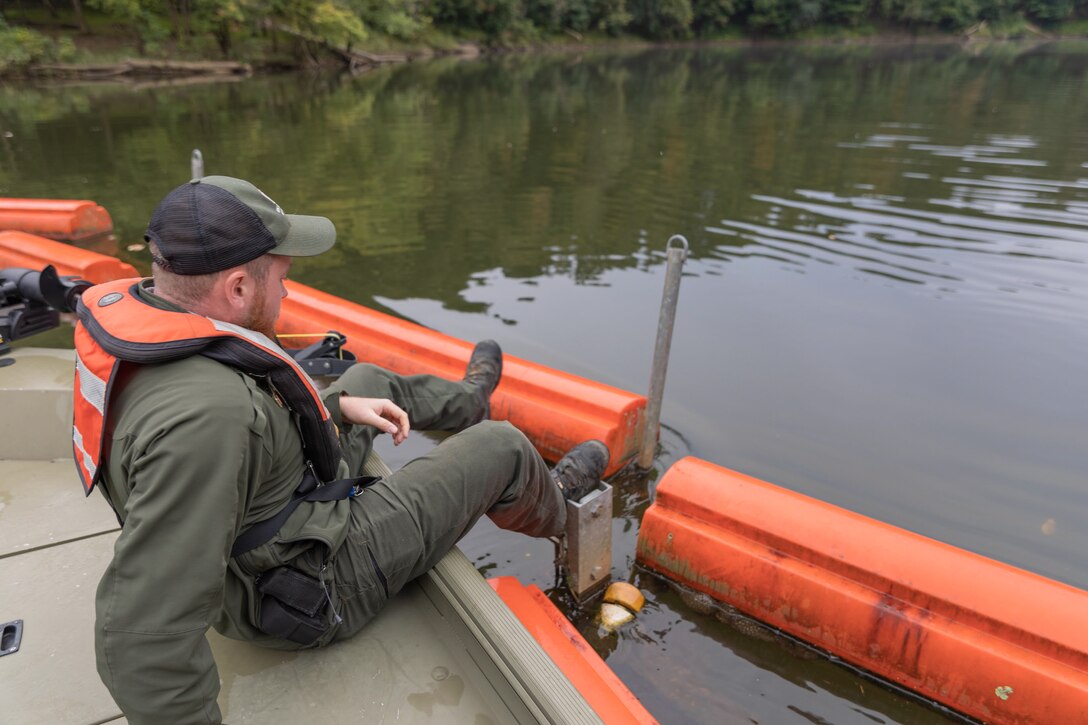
[
  {"x": 55, "y": 218},
  {"x": 987, "y": 639},
  {"x": 556, "y": 410},
  {"x": 19, "y": 249},
  {"x": 599, "y": 685}
]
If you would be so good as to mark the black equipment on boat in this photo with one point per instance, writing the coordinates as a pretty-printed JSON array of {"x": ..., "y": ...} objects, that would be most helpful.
[
  {"x": 326, "y": 357},
  {"x": 31, "y": 302}
]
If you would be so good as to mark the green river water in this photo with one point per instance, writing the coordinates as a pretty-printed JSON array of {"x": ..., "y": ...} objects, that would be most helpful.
[{"x": 883, "y": 308}]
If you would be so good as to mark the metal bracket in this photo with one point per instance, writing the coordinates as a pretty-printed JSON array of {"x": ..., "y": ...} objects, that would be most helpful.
[
  {"x": 11, "y": 635},
  {"x": 589, "y": 543}
]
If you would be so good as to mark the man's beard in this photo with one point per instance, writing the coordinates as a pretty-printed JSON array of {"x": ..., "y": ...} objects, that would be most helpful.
[{"x": 259, "y": 320}]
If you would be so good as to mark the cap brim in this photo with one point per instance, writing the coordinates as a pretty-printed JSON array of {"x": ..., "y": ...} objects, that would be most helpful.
[{"x": 306, "y": 237}]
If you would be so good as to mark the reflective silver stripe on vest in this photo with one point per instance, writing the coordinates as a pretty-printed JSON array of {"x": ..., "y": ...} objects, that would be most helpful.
[
  {"x": 92, "y": 387},
  {"x": 261, "y": 340},
  {"x": 77, "y": 439},
  {"x": 253, "y": 336}
]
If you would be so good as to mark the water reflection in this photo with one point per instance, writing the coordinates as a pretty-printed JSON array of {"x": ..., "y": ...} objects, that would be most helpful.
[{"x": 1013, "y": 235}]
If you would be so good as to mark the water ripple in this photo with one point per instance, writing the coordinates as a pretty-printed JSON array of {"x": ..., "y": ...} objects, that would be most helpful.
[{"x": 1017, "y": 244}]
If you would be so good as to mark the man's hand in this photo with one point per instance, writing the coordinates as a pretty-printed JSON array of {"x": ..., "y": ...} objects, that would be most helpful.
[{"x": 378, "y": 412}]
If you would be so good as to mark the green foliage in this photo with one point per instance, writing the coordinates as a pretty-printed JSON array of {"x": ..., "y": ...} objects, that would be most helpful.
[
  {"x": 996, "y": 10},
  {"x": 336, "y": 24},
  {"x": 402, "y": 19},
  {"x": 553, "y": 16},
  {"x": 23, "y": 46},
  {"x": 196, "y": 27},
  {"x": 502, "y": 21},
  {"x": 19, "y": 46},
  {"x": 578, "y": 15},
  {"x": 847, "y": 12},
  {"x": 495, "y": 17},
  {"x": 663, "y": 19},
  {"x": 547, "y": 15},
  {"x": 711, "y": 16},
  {"x": 144, "y": 18},
  {"x": 946, "y": 14},
  {"x": 611, "y": 16},
  {"x": 498, "y": 18},
  {"x": 1049, "y": 11},
  {"x": 784, "y": 16}
]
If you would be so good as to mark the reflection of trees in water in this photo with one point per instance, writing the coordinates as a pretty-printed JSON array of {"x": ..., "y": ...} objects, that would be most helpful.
[{"x": 540, "y": 164}]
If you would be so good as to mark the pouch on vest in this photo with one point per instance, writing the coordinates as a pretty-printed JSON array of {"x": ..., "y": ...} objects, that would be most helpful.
[{"x": 294, "y": 606}]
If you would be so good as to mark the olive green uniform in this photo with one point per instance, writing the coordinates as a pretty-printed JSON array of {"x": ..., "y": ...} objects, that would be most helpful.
[{"x": 199, "y": 452}]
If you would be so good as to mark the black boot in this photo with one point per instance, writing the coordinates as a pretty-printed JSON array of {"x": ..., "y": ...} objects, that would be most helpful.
[
  {"x": 484, "y": 370},
  {"x": 579, "y": 472}
]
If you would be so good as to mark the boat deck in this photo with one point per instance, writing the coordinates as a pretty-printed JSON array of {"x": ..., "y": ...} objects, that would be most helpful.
[{"x": 447, "y": 649}]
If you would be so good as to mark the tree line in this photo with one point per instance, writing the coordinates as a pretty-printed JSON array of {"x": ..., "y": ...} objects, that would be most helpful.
[{"x": 231, "y": 24}]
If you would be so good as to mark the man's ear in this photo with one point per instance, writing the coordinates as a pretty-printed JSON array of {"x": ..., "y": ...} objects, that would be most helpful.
[{"x": 238, "y": 288}]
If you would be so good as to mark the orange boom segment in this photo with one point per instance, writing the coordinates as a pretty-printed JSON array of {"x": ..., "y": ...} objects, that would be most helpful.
[
  {"x": 20, "y": 249},
  {"x": 55, "y": 218},
  {"x": 995, "y": 642},
  {"x": 556, "y": 410}
]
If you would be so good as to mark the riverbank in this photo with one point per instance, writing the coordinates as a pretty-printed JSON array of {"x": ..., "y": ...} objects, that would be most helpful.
[
  {"x": 116, "y": 66},
  {"x": 35, "y": 44}
]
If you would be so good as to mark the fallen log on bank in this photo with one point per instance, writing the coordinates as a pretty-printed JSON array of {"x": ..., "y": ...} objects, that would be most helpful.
[{"x": 144, "y": 68}]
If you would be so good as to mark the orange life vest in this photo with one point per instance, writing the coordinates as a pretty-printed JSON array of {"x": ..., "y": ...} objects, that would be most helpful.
[{"x": 116, "y": 326}]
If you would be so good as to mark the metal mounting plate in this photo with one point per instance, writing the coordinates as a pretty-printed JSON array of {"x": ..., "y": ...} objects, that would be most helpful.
[{"x": 589, "y": 542}]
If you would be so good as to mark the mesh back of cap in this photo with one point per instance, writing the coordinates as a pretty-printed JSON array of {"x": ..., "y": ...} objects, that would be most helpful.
[{"x": 201, "y": 228}]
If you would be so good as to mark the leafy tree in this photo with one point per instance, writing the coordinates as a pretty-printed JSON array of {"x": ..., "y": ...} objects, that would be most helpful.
[
  {"x": 547, "y": 15},
  {"x": 1049, "y": 11},
  {"x": 784, "y": 16},
  {"x": 21, "y": 46},
  {"x": 218, "y": 18},
  {"x": 143, "y": 18},
  {"x": 402, "y": 19},
  {"x": 711, "y": 16},
  {"x": 611, "y": 16},
  {"x": 947, "y": 14},
  {"x": 336, "y": 24},
  {"x": 663, "y": 19},
  {"x": 578, "y": 15},
  {"x": 848, "y": 12},
  {"x": 551, "y": 16},
  {"x": 996, "y": 10}
]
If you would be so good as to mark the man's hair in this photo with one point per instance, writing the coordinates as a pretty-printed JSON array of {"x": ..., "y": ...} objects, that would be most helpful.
[{"x": 191, "y": 289}]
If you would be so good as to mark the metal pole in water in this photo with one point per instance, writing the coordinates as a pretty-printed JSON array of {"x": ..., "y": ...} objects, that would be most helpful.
[
  {"x": 676, "y": 256},
  {"x": 196, "y": 164}
]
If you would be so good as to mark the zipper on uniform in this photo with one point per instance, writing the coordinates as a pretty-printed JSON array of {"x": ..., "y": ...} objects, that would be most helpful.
[{"x": 336, "y": 618}]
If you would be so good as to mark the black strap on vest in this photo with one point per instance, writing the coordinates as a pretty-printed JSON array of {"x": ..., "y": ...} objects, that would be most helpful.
[{"x": 308, "y": 490}]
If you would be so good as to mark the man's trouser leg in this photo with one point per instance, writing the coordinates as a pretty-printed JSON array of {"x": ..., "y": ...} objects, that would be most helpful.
[
  {"x": 402, "y": 525},
  {"x": 431, "y": 402}
]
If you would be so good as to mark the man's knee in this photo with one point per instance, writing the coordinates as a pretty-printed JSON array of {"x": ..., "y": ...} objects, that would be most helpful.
[
  {"x": 499, "y": 436},
  {"x": 364, "y": 380},
  {"x": 362, "y": 373}
]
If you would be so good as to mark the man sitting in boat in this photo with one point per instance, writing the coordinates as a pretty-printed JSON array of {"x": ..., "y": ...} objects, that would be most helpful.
[{"x": 231, "y": 474}]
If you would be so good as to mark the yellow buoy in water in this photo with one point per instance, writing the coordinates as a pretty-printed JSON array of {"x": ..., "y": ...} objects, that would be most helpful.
[{"x": 621, "y": 602}]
